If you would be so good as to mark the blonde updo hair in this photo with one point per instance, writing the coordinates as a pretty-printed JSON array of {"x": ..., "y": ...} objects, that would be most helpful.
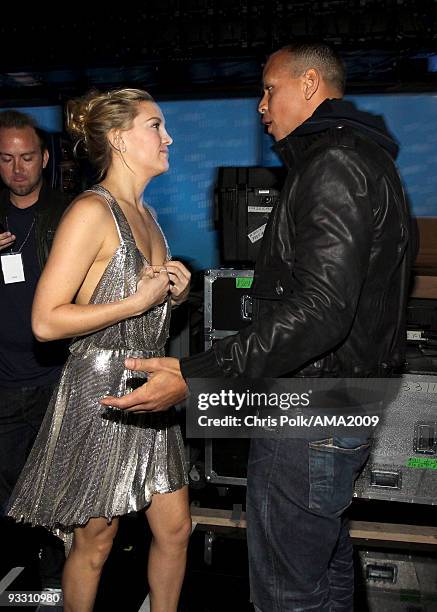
[{"x": 90, "y": 118}]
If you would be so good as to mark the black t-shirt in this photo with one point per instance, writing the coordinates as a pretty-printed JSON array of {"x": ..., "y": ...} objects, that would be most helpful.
[{"x": 24, "y": 361}]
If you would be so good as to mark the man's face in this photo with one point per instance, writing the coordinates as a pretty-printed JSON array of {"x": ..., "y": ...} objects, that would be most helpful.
[
  {"x": 283, "y": 105},
  {"x": 21, "y": 160}
]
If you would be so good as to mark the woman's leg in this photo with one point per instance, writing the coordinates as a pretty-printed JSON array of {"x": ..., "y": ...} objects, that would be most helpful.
[
  {"x": 170, "y": 522},
  {"x": 91, "y": 547}
]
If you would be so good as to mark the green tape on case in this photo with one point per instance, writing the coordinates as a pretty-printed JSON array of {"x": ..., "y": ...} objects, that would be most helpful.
[
  {"x": 243, "y": 282},
  {"x": 411, "y": 596},
  {"x": 424, "y": 463}
]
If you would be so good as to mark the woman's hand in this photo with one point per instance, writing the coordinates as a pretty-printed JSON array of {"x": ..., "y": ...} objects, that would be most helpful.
[
  {"x": 152, "y": 289},
  {"x": 179, "y": 281}
]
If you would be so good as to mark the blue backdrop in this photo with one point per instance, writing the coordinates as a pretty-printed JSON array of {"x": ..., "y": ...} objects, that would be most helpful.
[
  {"x": 47, "y": 117},
  {"x": 212, "y": 133}
]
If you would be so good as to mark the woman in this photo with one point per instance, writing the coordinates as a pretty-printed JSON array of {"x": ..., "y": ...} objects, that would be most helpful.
[{"x": 109, "y": 282}]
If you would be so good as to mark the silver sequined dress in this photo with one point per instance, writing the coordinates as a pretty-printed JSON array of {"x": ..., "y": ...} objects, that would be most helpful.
[{"x": 89, "y": 460}]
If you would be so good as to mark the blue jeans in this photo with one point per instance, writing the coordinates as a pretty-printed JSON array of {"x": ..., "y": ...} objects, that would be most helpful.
[{"x": 300, "y": 553}]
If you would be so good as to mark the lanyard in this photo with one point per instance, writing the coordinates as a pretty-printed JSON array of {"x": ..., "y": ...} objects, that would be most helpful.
[{"x": 26, "y": 238}]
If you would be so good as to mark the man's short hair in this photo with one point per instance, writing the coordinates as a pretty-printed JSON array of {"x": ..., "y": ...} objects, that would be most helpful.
[
  {"x": 15, "y": 119},
  {"x": 321, "y": 56}
]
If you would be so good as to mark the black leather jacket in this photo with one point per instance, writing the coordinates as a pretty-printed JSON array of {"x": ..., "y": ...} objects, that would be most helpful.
[
  {"x": 331, "y": 277},
  {"x": 48, "y": 212}
]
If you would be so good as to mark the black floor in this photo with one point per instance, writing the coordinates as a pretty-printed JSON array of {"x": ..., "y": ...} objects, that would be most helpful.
[{"x": 216, "y": 578}]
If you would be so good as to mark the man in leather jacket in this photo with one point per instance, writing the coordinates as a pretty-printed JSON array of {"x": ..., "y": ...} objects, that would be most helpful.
[
  {"x": 329, "y": 297},
  {"x": 30, "y": 211}
]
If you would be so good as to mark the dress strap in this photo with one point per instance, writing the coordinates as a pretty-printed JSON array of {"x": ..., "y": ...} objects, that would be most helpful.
[
  {"x": 152, "y": 213},
  {"x": 123, "y": 228}
]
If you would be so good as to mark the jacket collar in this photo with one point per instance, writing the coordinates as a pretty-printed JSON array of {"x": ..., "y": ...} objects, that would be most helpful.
[
  {"x": 292, "y": 149},
  {"x": 328, "y": 116}
]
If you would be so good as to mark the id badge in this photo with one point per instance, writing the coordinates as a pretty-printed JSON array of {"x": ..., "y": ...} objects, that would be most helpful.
[{"x": 12, "y": 266}]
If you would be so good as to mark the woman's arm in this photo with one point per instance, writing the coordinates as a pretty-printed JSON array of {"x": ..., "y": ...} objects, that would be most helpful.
[{"x": 84, "y": 237}]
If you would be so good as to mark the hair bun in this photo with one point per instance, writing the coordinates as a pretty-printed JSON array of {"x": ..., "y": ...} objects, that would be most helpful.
[
  {"x": 89, "y": 120},
  {"x": 78, "y": 113}
]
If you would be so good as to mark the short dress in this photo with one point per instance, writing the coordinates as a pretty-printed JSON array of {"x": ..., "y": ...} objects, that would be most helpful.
[{"x": 89, "y": 460}]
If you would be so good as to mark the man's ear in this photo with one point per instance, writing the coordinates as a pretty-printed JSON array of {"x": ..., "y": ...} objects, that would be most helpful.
[
  {"x": 311, "y": 83},
  {"x": 45, "y": 158}
]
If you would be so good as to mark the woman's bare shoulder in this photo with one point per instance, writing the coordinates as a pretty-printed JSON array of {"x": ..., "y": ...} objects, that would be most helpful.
[{"x": 88, "y": 206}]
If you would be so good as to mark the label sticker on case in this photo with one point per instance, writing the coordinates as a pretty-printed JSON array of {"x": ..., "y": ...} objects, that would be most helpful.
[
  {"x": 260, "y": 209},
  {"x": 257, "y": 234},
  {"x": 426, "y": 463},
  {"x": 243, "y": 282}
]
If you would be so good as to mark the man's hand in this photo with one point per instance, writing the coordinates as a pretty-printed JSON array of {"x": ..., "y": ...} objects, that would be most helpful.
[
  {"x": 6, "y": 240},
  {"x": 164, "y": 388}
]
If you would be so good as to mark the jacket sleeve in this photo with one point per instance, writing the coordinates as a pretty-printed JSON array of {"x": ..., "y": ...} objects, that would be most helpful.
[{"x": 333, "y": 238}]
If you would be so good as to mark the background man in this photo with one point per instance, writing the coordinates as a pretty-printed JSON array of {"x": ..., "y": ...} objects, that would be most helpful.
[
  {"x": 329, "y": 297},
  {"x": 29, "y": 213}
]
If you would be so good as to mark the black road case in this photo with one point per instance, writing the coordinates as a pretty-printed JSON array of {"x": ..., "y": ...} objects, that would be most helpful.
[
  {"x": 403, "y": 462},
  {"x": 391, "y": 581},
  {"x": 245, "y": 197}
]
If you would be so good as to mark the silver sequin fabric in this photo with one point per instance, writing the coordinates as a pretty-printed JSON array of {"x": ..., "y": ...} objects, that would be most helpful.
[{"x": 89, "y": 460}]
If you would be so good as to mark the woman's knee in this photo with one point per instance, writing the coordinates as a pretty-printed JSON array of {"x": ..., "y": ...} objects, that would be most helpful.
[
  {"x": 95, "y": 544},
  {"x": 186, "y": 528},
  {"x": 176, "y": 535}
]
